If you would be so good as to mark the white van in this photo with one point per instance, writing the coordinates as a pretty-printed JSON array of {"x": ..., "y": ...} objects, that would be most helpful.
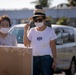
[{"x": 65, "y": 43}]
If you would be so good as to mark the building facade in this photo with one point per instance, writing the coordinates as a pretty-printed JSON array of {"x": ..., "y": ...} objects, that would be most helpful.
[{"x": 19, "y": 16}]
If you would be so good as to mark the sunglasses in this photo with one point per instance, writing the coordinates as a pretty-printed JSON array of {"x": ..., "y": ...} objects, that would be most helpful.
[{"x": 38, "y": 20}]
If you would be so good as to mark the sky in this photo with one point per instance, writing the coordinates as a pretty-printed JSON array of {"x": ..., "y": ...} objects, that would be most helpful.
[{"x": 20, "y": 4}]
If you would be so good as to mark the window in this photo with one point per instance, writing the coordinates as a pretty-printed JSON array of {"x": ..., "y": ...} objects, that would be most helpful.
[
  {"x": 64, "y": 35},
  {"x": 18, "y": 32}
]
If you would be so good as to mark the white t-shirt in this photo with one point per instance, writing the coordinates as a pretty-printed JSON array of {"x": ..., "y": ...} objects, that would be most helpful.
[
  {"x": 9, "y": 40},
  {"x": 40, "y": 41}
]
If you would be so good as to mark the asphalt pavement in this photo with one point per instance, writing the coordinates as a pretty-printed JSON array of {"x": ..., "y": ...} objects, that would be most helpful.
[{"x": 63, "y": 73}]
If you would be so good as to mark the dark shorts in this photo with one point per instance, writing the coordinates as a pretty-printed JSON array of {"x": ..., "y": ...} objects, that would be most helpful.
[{"x": 42, "y": 65}]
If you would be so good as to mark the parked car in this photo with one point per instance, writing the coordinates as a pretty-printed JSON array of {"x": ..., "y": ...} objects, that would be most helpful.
[{"x": 65, "y": 43}]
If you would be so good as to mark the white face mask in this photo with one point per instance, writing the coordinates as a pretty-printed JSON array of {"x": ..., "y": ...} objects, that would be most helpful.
[
  {"x": 4, "y": 30},
  {"x": 39, "y": 24}
]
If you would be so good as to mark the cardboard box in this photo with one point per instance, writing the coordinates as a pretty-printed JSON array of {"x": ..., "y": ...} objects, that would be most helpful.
[{"x": 15, "y": 61}]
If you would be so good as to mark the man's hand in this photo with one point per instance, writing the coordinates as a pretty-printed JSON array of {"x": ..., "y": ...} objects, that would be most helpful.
[
  {"x": 54, "y": 65},
  {"x": 26, "y": 27}
]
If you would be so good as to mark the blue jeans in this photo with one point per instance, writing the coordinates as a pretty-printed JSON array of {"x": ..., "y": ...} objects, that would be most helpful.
[{"x": 42, "y": 65}]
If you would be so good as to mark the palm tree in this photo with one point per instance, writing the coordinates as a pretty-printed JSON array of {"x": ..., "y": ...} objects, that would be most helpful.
[
  {"x": 44, "y": 3},
  {"x": 72, "y": 2},
  {"x": 63, "y": 21}
]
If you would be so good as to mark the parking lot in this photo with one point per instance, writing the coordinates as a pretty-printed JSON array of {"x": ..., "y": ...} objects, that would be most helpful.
[{"x": 63, "y": 73}]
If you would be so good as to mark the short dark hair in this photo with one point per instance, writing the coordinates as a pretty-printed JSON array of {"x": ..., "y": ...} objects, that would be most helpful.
[
  {"x": 4, "y": 17},
  {"x": 38, "y": 7}
]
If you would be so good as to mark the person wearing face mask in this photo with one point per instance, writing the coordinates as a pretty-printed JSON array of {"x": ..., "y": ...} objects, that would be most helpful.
[
  {"x": 6, "y": 39},
  {"x": 42, "y": 39},
  {"x": 47, "y": 22}
]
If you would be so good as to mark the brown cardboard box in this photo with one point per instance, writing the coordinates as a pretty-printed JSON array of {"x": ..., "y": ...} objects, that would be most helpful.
[{"x": 15, "y": 61}]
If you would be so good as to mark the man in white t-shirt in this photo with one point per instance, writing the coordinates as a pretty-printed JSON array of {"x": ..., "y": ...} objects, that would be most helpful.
[{"x": 42, "y": 39}]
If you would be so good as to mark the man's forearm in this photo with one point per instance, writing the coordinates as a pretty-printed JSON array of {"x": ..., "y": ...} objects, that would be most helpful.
[{"x": 25, "y": 39}]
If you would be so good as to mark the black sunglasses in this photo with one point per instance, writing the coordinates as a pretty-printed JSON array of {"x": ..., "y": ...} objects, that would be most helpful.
[{"x": 38, "y": 20}]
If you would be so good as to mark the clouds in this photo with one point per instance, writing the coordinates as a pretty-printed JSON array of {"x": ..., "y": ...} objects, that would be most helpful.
[
  {"x": 19, "y": 4},
  {"x": 15, "y": 4}
]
